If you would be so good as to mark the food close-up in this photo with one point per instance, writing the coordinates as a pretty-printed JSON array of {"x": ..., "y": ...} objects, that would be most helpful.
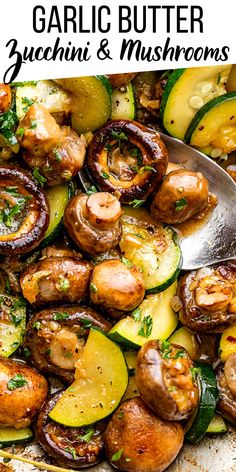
[{"x": 115, "y": 348}]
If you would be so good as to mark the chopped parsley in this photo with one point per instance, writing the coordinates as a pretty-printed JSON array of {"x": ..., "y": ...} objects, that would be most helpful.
[
  {"x": 180, "y": 354},
  {"x": 36, "y": 325},
  {"x": 33, "y": 124},
  {"x": 137, "y": 203},
  {"x": 20, "y": 132},
  {"x": 86, "y": 323},
  {"x": 136, "y": 314},
  {"x": 87, "y": 436},
  {"x": 57, "y": 154},
  {"x": 57, "y": 316},
  {"x": 147, "y": 168},
  {"x": 93, "y": 288},
  {"x": 63, "y": 284},
  {"x": 105, "y": 175},
  {"x": 120, "y": 136},
  {"x": 218, "y": 78},
  {"x": 39, "y": 177},
  {"x": 195, "y": 371},
  {"x": 146, "y": 326},
  {"x": 8, "y": 120},
  {"x": 180, "y": 204},
  {"x": 26, "y": 352},
  {"x": 16, "y": 382},
  {"x": 126, "y": 262},
  {"x": 91, "y": 190},
  {"x": 16, "y": 319},
  {"x": 71, "y": 451},
  {"x": 121, "y": 415},
  {"x": 117, "y": 455}
]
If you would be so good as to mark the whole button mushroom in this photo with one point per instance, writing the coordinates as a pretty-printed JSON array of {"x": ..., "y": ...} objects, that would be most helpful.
[{"x": 93, "y": 222}]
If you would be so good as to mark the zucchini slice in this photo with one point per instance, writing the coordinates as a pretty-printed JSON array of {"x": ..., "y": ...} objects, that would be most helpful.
[
  {"x": 58, "y": 197},
  {"x": 207, "y": 404},
  {"x": 122, "y": 100},
  {"x": 10, "y": 436},
  {"x": 91, "y": 101},
  {"x": 215, "y": 125},
  {"x": 186, "y": 91},
  {"x": 154, "y": 249},
  {"x": 187, "y": 339},
  {"x": 12, "y": 323},
  {"x": 45, "y": 92},
  {"x": 227, "y": 343},
  {"x": 231, "y": 82},
  {"x": 217, "y": 425},
  {"x": 153, "y": 319},
  {"x": 98, "y": 387}
]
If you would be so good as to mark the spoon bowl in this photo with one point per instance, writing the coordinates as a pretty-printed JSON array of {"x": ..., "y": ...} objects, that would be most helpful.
[{"x": 214, "y": 241}]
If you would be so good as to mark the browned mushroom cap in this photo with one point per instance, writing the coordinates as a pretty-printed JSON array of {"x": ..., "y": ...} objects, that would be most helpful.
[
  {"x": 227, "y": 401},
  {"x": 22, "y": 392},
  {"x": 182, "y": 195},
  {"x": 5, "y": 97},
  {"x": 116, "y": 285},
  {"x": 127, "y": 159},
  {"x": 164, "y": 380},
  {"x": 136, "y": 440},
  {"x": 119, "y": 80},
  {"x": 55, "y": 280},
  {"x": 69, "y": 447},
  {"x": 55, "y": 338},
  {"x": 24, "y": 211},
  {"x": 93, "y": 222},
  {"x": 230, "y": 373},
  {"x": 208, "y": 300}
]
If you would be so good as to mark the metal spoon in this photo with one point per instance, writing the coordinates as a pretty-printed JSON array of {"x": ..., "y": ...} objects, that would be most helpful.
[{"x": 214, "y": 241}]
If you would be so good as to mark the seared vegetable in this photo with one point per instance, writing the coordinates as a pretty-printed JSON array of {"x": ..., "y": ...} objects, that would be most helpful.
[
  {"x": 93, "y": 222},
  {"x": 187, "y": 339},
  {"x": 227, "y": 400},
  {"x": 12, "y": 324},
  {"x": 186, "y": 92},
  {"x": 22, "y": 392},
  {"x": 12, "y": 436},
  {"x": 116, "y": 285},
  {"x": 8, "y": 137},
  {"x": 231, "y": 82},
  {"x": 58, "y": 197},
  {"x": 120, "y": 80},
  {"x": 98, "y": 387},
  {"x": 55, "y": 280},
  {"x": 123, "y": 107},
  {"x": 208, "y": 300},
  {"x": 44, "y": 92},
  {"x": 207, "y": 403},
  {"x": 214, "y": 125},
  {"x": 136, "y": 440},
  {"x": 164, "y": 380},
  {"x": 153, "y": 319},
  {"x": 228, "y": 342},
  {"x": 153, "y": 248},
  {"x": 217, "y": 425},
  {"x": 182, "y": 195},
  {"x": 70, "y": 447},
  {"x": 55, "y": 338},
  {"x": 91, "y": 101},
  {"x": 24, "y": 212},
  {"x": 55, "y": 154},
  {"x": 127, "y": 159}
]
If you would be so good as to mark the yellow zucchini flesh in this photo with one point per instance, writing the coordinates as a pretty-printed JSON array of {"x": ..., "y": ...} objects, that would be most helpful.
[
  {"x": 101, "y": 379},
  {"x": 186, "y": 91},
  {"x": 228, "y": 342},
  {"x": 187, "y": 339},
  {"x": 153, "y": 319}
]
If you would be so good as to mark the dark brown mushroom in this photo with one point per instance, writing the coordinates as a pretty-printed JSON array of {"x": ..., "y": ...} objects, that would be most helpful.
[
  {"x": 127, "y": 159},
  {"x": 119, "y": 80},
  {"x": 22, "y": 392},
  {"x": 56, "y": 280},
  {"x": 208, "y": 300},
  {"x": 115, "y": 285},
  {"x": 93, "y": 222},
  {"x": 24, "y": 211},
  {"x": 55, "y": 338},
  {"x": 182, "y": 195},
  {"x": 227, "y": 400},
  {"x": 136, "y": 440},
  {"x": 69, "y": 447},
  {"x": 165, "y": 381}
]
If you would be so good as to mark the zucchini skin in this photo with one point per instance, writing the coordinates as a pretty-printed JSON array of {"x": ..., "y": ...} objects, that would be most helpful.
[
  {"x": 207, "y": 403},
  {"x": 203, "y": 111},
  {"x": 19, "y": 436},
  {"x": 175, "y": 75}
]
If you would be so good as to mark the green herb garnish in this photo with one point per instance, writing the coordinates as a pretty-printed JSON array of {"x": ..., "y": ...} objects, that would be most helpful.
[
  {"x": 180, "y": 204},
  {"x": 105, "y": 175},
  {"x": 93, "y": 288},
  {"x": 71, "y": 451},
  {"x": 20, "y": 132},
  {"x": 36, "y": 325},
  {"x": 117, "y": 455},
  {"x": 16, "y": 382},
  {"x": 87, "y": 436},
  {"x": 136, "y": 314},
  {"x": 91, "y": 190},
  {"x": 60, "y": 316},
  {"x": 126, "y": 262},
  {"x": 146, "y": 326},
  {"x": 63, "y": 284},
  {"x": 39, "y": 177},
  {"x": 137, "y": 203}
]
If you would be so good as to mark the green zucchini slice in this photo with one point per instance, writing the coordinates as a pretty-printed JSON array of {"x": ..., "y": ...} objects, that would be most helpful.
[
  {"x": 155, "y": 250},
  {"x": 207, "y": 404},
  {"x": 186, "y": 91},
  {"x": 12, "y": 323},
  {"x": 217, "y": 425},
  {"x": 215, "y": 125},
  {"x": 153, "y": 319},
  {"x": 58, "y": 197},
  {"x": 10, "y": 436},
  {"x": 91, "y": 101},
  {"x": 46, "y": 92},
  {"x": 123, "y": 107}
]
